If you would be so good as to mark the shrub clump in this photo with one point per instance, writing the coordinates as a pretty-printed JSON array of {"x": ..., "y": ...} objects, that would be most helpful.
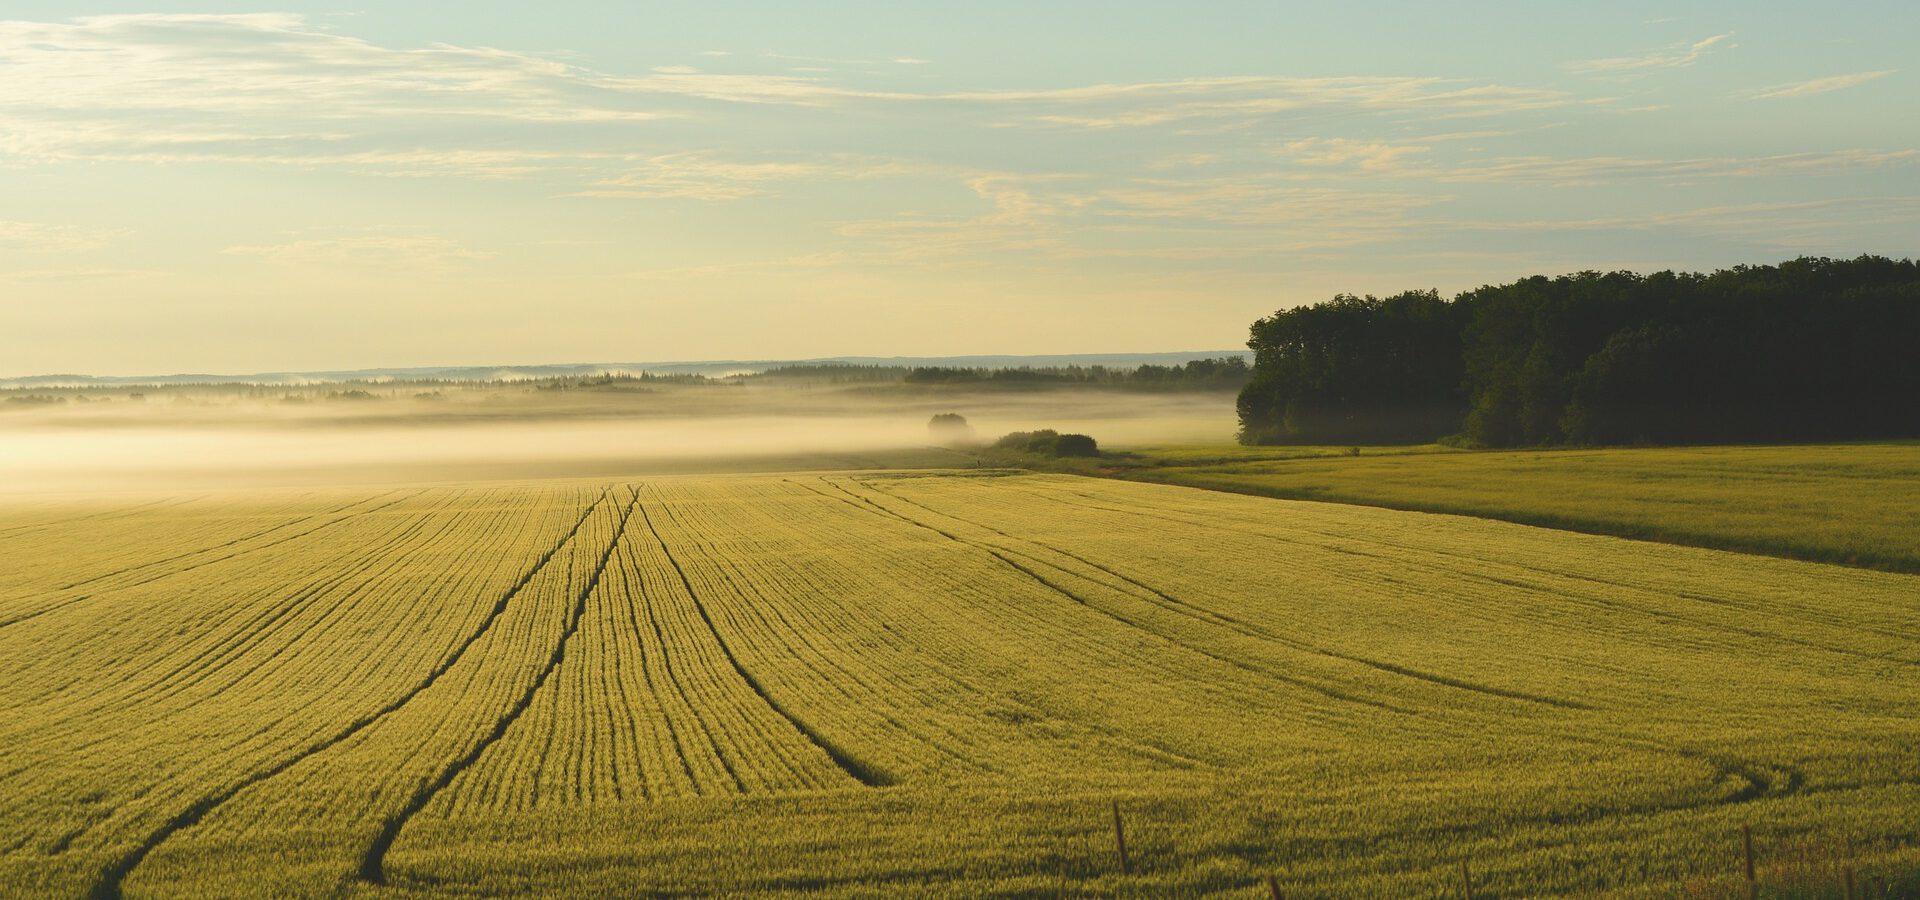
[
  {"x": 950, "y": 430},
  {"x": 1047, "y": 442}
]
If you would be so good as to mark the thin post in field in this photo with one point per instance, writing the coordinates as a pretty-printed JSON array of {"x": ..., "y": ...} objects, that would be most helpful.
[
  {"x": 1120, "y": 840},
  {"x": 1466, "y": 881},
  {"x": 1746, "y": 843}
]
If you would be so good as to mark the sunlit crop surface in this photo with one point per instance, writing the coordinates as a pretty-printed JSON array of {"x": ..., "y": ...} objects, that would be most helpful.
[{"x": 928, "y": 683}]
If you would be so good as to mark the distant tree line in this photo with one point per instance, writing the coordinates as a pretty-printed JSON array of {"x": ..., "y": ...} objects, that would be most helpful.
[
  {"x": 1225, "y": 373},
  {"x": 1810, "y": 349}
]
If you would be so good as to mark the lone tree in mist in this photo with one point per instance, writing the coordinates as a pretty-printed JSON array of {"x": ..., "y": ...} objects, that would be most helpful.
[{"x": 950, "y": 429}]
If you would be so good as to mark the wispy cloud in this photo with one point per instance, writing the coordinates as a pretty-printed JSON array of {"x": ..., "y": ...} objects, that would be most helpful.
[
  {"x": 161, "y": 88},
  {"x": 1599, "y": 169},
  {"x": 703, "y": 175},
  {"x": 1365, "y": 155},
  {"x": 1157, "y": 103},
  {"x": 1065, "y": 218},
  {"x": 1669, "y": 57},
  {"x": 1817, "y": 85},
  {"x": 254, "y": 65}
]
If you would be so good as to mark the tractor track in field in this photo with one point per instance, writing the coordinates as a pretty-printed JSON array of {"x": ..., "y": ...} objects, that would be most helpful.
[
  {"x": 373, "y": 863},
  {"x": 816, "y": 660},
  {"x": 104, "y": 514},
  {"x": 1250, "y": 629},
  {"x": 228, "y": 543},
  {"x": 670, "y": 680},
  {"x": 1331, "y": 693},
  {"x": 172, "y": 572},
  {"x": 1590, "y": 600},
  {"x": 108, "y": 887},
  {"x": 855, "y": 769}
]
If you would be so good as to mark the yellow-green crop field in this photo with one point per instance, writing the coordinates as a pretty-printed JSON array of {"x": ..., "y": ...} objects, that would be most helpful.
[
  {"x": 1857, "y": 504},
  {"x": 927, "y": 684}
]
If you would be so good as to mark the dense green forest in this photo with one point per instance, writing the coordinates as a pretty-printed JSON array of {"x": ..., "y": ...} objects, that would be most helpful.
[{"x": 1809, "y": 349}]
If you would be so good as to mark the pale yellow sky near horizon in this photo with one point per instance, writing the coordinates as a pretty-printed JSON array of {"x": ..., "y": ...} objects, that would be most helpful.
[{"x": 311, "y": 186}]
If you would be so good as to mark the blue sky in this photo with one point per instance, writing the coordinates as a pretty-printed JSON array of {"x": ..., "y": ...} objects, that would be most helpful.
[{"x": 235, "y": 187}]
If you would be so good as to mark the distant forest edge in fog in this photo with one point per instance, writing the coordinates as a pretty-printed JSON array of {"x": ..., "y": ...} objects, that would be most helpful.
[
  {"x": 1810, "y": 349},
  {"x": 711, "y": 368}
]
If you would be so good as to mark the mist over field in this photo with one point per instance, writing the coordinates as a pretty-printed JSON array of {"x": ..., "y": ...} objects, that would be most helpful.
[{"x": 209, "y": 439}]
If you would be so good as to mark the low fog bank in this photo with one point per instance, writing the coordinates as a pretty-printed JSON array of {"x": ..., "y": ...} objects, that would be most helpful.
[{"x": 235, "y": 438}]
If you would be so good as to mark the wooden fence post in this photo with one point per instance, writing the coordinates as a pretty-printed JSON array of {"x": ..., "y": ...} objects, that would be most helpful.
[
  {"x": 1120, "y": 840},
  {"x": 1273, "y": 887},
  {"x": 1746, "y": 841},
  {"x": 1466, "y": 880}
]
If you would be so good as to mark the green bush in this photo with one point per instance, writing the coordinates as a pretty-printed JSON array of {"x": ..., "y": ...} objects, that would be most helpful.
[{"x": 1048, "y": 442}]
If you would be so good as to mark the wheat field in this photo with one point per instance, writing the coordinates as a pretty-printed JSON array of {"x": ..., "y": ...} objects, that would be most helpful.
[{"x": 932, "y": 683}]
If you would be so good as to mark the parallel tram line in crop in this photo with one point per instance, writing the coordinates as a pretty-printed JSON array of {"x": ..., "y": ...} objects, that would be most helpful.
[
  {"x": 1257, "y": 670},
  {"x": 61, "y": 605},
  {"x": 796, "y": 617},
  {"x": 109, "y": 886},
  {"x": 788, "y": 617},
  {"x": 1064, "y": 633},
  {"x": 238, "y": 540},
  {"x": 1212, "y": 617},
  {"x": 372, "y": 868},
  {"x": 237, "y": 649},
  {"x": 230, "y": 630},
  {"x": 854, "y": 769},
  {"x": 1347, "y": 545}
]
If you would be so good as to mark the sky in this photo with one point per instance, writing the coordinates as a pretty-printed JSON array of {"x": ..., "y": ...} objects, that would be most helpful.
[{"x": 233, "y": 187}]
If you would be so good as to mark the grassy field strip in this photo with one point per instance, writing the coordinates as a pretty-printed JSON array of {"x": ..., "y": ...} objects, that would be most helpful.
[
  {"x": 876, "y": 683},
  {"x": 1848, "y": 503}
]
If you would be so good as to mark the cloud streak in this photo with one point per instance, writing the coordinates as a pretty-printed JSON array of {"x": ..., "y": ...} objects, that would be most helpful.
[
  {"x": 1672, "y": 56},
  {"x": 1817, "y": 85},
  {"x": 1603, "y": 169}
]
